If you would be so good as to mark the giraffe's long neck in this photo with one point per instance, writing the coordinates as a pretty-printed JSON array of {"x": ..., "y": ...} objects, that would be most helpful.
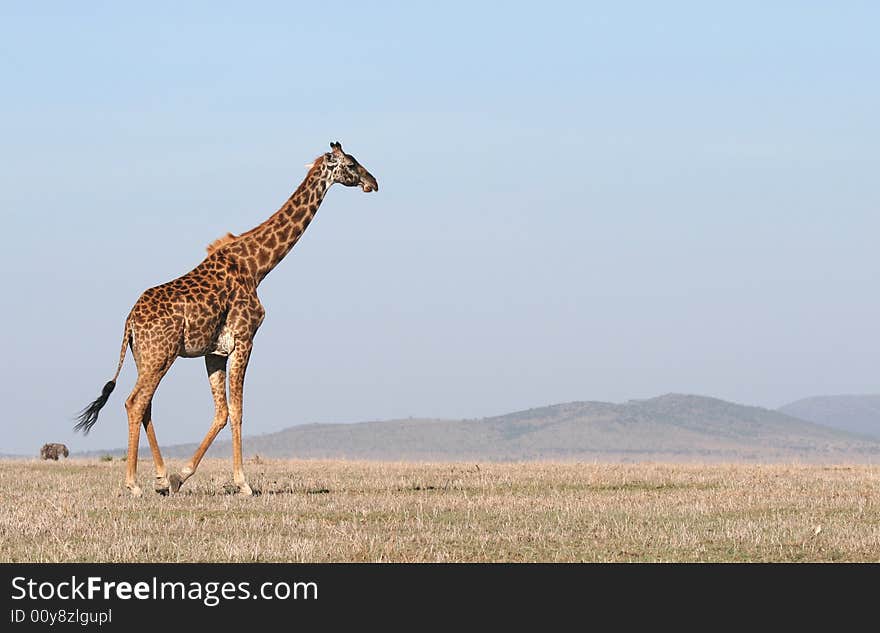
[{"x": 264, "y": 246}]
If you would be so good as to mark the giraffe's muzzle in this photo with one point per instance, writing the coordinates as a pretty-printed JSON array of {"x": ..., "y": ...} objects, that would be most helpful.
[{"x": 368, "y": 183}]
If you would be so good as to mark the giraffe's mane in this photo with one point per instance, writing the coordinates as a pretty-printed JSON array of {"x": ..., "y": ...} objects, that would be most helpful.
[{"x": 220, "y": 242}]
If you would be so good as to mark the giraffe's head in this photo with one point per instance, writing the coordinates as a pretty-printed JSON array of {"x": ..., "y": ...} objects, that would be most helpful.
[{"x": 344, "y": 169}]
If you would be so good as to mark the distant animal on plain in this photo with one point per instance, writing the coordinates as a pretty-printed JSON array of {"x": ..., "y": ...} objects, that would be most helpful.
[{"x": 53, "y": 451}]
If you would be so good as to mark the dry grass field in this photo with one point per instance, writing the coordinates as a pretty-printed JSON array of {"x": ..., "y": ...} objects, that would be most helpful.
[{"x": 313, "y": 511}]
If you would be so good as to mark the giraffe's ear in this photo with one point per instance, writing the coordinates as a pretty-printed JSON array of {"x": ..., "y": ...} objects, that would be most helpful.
[{"x": 310, "y": 165}]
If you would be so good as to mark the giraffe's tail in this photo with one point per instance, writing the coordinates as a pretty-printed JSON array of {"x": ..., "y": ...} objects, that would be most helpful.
[{"x": 88, "y": 416}]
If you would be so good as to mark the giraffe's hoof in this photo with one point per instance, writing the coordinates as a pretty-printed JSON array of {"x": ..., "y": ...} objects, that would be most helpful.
[
  {"x": 245, "y": 490},
  {"x": 176, "y": 482},
  {"x": 134, "y": 490}
]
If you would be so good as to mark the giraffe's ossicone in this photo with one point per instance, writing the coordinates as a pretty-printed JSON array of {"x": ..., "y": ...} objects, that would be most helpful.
[{"x": 213, "y": 311}]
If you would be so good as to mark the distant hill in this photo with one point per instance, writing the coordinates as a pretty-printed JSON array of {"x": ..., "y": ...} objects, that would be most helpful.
[
  {"x": 852, "y": 413},
  {"x": 671, "y": 427}
]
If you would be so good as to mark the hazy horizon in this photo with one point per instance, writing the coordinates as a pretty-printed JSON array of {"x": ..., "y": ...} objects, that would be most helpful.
[
  {"x": 144, "y": 448},
  {"x": 577, "y": 202}
]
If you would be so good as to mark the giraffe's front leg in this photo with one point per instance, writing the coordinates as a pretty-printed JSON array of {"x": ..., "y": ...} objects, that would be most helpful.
[
  {"x": 216, "y": 367},
  {"x": 237, "y": 367}
]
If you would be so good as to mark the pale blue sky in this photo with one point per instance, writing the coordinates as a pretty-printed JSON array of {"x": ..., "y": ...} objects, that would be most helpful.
[{"x": 579, "y": 201}]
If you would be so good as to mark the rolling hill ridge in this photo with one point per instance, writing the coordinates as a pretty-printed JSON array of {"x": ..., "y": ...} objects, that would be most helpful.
[
  {"x": 673, "y": 427},
  {"x": 853, "y": 413}
]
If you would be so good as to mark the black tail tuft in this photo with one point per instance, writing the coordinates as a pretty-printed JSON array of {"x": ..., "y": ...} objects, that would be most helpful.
[{"x": 89, "y": 415}]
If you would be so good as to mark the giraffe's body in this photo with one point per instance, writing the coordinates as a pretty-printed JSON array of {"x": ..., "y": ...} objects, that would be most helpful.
[
  {"x": 199, "y": 313},
  {"x": 213, "y": 311}
]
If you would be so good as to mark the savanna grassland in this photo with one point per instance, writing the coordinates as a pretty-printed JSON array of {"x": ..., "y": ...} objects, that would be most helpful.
[{"x": 334, "y": 510}]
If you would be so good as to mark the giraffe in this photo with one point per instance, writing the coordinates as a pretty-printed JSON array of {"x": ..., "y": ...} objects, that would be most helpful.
[{"x": 213, "y": 311}]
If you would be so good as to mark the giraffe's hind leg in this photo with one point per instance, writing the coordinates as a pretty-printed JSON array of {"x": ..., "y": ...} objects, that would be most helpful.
[
  {"x": 139, "y": 405},
  {"x": 216, "y": 367},
  {"x": 161, "y": 484}
]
